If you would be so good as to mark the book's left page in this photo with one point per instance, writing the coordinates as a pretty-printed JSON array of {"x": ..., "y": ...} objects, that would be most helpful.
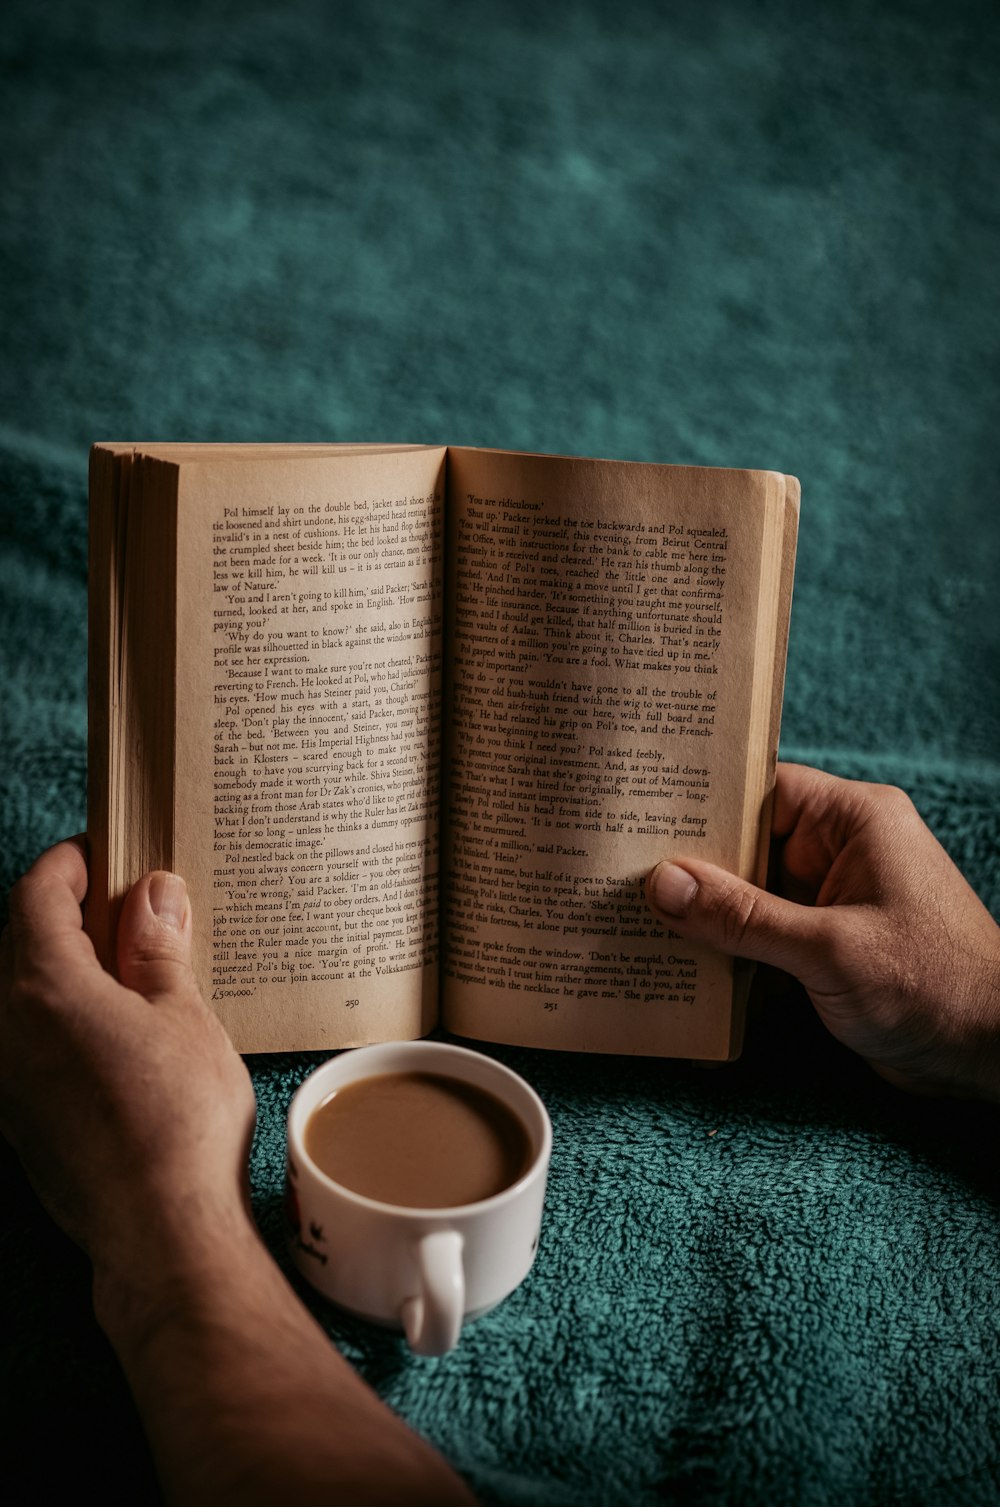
[{"x": 304, "y": 753}]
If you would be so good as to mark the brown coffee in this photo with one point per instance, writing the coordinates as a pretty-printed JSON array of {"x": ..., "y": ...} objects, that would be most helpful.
[{"x": 418, "y": 1139}]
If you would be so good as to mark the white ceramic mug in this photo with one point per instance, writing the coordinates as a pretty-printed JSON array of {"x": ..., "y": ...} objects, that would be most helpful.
[{"x": 422, "y": 1270}]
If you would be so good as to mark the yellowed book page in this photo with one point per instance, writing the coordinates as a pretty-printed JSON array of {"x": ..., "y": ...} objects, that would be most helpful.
[
  {"x": 179, "y": 450},
  {"x": 789, "y": 543},
  {"x": 782, "y": 617},
  {"x": 603, "y": 628},
  {"x": 108, "y": 479},
  {"x": 131, "y": 682},
  {"x": 307, "y": 745}
]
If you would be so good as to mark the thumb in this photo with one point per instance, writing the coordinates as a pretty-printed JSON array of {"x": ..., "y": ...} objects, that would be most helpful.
[
  {"x": 154, "y": 937},
  {"x": 706, "y": 904}
]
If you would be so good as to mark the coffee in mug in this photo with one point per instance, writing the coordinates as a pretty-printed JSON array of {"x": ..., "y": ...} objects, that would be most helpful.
[
  {"x": 422, "y": 1140},
  {"x": 416, "y": 1177}
]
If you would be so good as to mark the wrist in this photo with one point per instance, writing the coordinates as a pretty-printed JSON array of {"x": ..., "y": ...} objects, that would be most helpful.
[{"x": 176, "y": 1269}]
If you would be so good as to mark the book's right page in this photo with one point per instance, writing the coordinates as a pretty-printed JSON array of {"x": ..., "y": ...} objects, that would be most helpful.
[{"x": 616, "y": 639}]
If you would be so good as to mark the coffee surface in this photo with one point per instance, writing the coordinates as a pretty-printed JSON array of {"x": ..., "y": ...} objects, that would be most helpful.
[{"x": 418, "y": 1139}]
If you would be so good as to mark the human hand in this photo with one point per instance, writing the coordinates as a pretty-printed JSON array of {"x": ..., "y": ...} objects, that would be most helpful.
[
  {"x": 132, "y": 1115},
  {"x": 899, "y": 957},
  {"x": 130, "y": 1110}
]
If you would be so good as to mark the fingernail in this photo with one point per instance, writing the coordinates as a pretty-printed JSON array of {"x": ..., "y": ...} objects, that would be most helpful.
[
  {"x": 672, "y": 889},
  {"x": 168, "y": 898}
]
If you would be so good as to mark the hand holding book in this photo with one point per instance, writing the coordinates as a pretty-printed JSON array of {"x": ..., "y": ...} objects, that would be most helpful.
[{"x": 899, "y": 957}]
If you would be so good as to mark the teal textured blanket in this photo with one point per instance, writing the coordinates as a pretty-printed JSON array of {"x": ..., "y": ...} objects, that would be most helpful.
[{"x": 742, "y": 234}]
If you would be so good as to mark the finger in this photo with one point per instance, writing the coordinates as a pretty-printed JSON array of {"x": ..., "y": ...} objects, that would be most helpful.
[
  {"x": 154, "y": 937},
  {"x": 815, "y": 816},
  {"x": 805, "y": 794},
  {"x": 706, "y": 904},
  {"x": 794, "y": 786},
  {"x": 46, "y": 922},
  {"x": 61, "y": 875}
]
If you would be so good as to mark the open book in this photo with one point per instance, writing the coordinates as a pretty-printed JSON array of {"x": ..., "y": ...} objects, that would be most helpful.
[{"x": 322, "y": 677}]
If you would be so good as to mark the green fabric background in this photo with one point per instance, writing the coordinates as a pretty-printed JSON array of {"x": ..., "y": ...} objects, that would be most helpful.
[{"x": 748, "y": 234}]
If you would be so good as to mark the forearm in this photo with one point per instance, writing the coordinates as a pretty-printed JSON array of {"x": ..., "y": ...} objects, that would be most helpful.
[{"x": 242, "y": 1395}]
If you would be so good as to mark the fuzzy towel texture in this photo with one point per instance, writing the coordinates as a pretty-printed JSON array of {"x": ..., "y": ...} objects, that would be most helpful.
[{"x": 761, "y": 235}]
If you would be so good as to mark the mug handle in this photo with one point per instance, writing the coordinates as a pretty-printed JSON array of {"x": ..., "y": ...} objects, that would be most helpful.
[{"x": 432, "y": 1320}]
